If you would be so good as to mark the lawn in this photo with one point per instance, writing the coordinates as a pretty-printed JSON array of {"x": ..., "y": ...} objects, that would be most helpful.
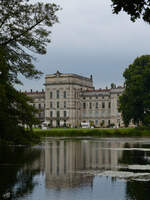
[{"x": 99, "y": 132}]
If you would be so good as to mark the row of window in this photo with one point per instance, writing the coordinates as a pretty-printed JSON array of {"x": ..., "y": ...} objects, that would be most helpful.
[
  {"x": 96, "y": 105},
  {"x": 96, "y": 97},
  {"x": 58, "y": 94},
  {"x": 84, "y": 105},
  {"x": 57, "y": 104},
  {"x": 40, "y": 106},
  {"x": 58, "y": 114},
  {"x": 95, "y": 113}
]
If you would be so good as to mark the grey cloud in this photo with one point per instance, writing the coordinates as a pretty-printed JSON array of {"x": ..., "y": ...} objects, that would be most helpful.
[{"x": 91, "y": 40}]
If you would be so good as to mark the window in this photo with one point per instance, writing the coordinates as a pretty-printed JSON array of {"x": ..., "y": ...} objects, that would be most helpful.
[
  {"x": 109, "y": 105},
  {"x": 58, "y": 114},
  {"x": 39, "y": 105},
  {"x": 57, "y": 94},
  {"x": 51, "y": 104},
  {"x": 65, "y": 95},
  {"x": 96, "y": 105},
  {"x": 64, "y": 104},
  {"x": 96, "y": 97},
  {"x": 65, "y": 114},
  {"x": 51, "y": 95},
  {"x": 90, "y": 105},
  {"x": 51, "y": 113},
  {"x": 103, "y": 104},
  {"x": 57, "y": 104},
  {"x": 84, "y": 105}
]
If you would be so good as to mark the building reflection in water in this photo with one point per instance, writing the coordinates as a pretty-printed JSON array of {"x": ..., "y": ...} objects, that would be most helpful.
[{"x": 66, "y": 161}]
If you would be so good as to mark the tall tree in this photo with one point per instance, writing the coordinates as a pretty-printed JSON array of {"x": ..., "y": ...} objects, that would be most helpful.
[
  {"x": 135, "y": 8},
  {"x": 135, "y": 101},
  {"x": 24, "y": 29}
]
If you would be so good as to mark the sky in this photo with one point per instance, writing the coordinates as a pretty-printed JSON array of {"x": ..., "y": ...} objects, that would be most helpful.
[{"x": 89, "y": 39}]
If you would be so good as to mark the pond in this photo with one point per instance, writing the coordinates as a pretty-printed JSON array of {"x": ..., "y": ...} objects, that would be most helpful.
[{"x": 77, "y": 169}]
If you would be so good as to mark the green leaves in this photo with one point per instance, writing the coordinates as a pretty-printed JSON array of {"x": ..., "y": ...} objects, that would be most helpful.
[
  {"x": 24, "y": 28},
  {"x": 135, "y": 8},
  {"x": 135, "y": 101}
]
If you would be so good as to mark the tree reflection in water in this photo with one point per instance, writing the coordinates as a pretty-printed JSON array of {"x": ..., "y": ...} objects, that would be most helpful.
[
  {"x": 134, "y": 156},
  {"x": 17, "y": 170},
  {"x": 137, "y": 190}
]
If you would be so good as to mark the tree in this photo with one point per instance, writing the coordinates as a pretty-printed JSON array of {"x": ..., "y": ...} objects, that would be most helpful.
[
  {"x": 23, "y": 30},
  {"x": 135, "y": 100},
  {"x": 135, "y": 8}
]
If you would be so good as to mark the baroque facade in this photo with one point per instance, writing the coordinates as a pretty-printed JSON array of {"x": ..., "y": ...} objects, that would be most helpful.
[{"x": 70, "y": 99}]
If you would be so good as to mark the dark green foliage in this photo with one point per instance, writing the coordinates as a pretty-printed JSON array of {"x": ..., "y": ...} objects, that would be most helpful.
[
  {"x": 135, "y": 8},
  {"x": 23, "y": 24},
  {"x": 19, "y": 178},
  {"x": 23, "y": 30},
  {"x": 135, "y": 101},
  {"x": 133, "y": 157},
  {"x": 138, "y": 190}
]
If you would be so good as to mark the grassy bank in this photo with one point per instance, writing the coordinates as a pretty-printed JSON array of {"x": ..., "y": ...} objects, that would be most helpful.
[
  {"x": 97, "y": 132},
  {"x": 31, "y": 138}
]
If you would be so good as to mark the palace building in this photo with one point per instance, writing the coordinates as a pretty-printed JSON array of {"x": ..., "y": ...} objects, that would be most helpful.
[{"x": 70, "y": 99}]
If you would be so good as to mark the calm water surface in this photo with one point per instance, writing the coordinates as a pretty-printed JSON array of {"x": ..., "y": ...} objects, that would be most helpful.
[{"x": 77, "y": 169}]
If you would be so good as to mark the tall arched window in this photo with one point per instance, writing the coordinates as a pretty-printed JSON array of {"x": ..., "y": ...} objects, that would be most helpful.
[
  {"x": 96, "y": 105},
  {"x": 65, "y": 95},
  {"x": 65, "y": 113},
  {"x": 58, "y": 114},
  {"x": 84, "y": 105},
  {"x": 57, "y": 94},
  {"x": 103, "y": 104},
  {"x": 57, "y": 104},
  {"x": 51, "y": 104},
  {"x": 90, "y": 105},
  {"x": 51, "y": 95},
  {"x": 51, "y": 113}
]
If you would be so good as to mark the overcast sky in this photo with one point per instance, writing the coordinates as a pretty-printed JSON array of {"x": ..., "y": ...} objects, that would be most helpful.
[{"x": 89, "y": 39}]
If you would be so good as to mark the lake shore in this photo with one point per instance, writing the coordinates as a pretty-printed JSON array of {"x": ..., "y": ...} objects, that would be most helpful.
[
  {"x": 95, "y": 132},
  {"x": 35, "y": 137}
]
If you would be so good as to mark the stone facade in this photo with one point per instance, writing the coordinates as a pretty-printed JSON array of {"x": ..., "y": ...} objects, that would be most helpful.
[
  {"x": 38, "y": 101},
  {"x": 100, "y": 107},
  {"x": 70, "y": 99}
]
